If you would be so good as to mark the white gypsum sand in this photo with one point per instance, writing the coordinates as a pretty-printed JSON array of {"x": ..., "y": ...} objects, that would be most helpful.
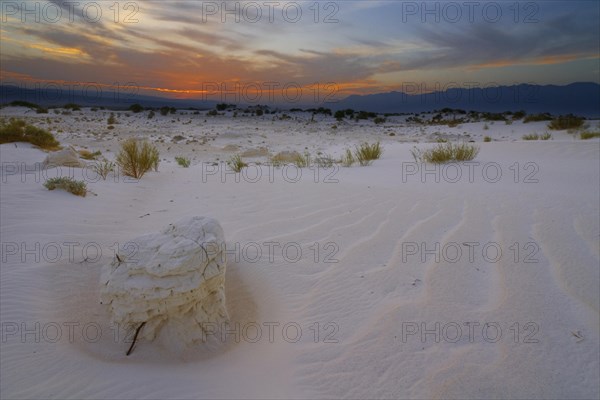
[{"x": 355, "y": 313}]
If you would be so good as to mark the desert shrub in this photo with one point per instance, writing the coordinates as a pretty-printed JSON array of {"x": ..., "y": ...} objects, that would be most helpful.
[
  {"x": 72, "y": 106},
  {"x": 41, "y": 110},
  {"x": 446, "y": 152},
  {"x": 339, "y": 115},
  {"x": 88, "y": 155},
  {"x": 509, "y": 122},
  {"x": 519, "y": 115},
  {"x": 379, "y": 120},
  {"x": 183, "y": 161},
  {"x": 136, "y": 158},
  {"x": 212, "y": 113},
  {"x": 589, "y": 135},
  {"x": 486, "y": 127},
  {"x": 151, "y": 114},
  {"x": 347, "y": 159},
  {"x": 563, "y": 122},
  {"x": 136, "y": 108},
  {"x": 546, "y": 136},
  {"x": 236, "y": 163},
  {"x": 103, "y": 168},
  {"x": 325, "y": 161},
  {"x": 366, "y": 153},
  {"x": 532, "y": 136},
  {"x": 537, "y": 118},
  {"x": 222, "y": 106},
  {"x": 441, "y": 140},
  {"x": 21, "y": 103},
  {"x": 17, "y": 130},
  {"x": 302, "y": 161},
  {"x": 259, "y": 112},
  {"x": 78, "y": 188},
  {"x": 487, "y": 139},
  {"x": 164, "y": 110},
  {"x": 111, "y": 120}
]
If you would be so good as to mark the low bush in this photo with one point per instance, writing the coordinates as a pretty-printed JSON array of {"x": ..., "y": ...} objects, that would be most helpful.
[
  {"x": 17, "y": 130},
  {"x": 183, "y": 161},
  {"x": 78, "y": 188},
  {"x": 136, "y": 158},
  {"x": 563, "y": 122},
  {"x": 589, "y": 135},
  {"x": 447, "y": 152}
]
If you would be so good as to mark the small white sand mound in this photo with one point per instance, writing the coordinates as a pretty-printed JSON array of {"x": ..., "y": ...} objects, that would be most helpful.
[
  {"x": 67, "y": 157},
  {"x": 174, "y": 278}
]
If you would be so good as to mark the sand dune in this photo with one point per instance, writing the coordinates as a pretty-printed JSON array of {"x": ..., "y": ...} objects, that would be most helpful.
[{"x": 353, "y": 265}]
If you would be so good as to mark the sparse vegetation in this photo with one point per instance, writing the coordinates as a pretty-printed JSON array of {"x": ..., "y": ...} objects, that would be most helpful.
[
  {"x": 78, "y": 188},
  {"x": 532, "y": 136},
  {"x": 589, "y": 135},
  {"x": 183, "y": 161},
  {"x": 72, "y": 107},
  {"x": 324, "y": 161},
  {"x": 236, "y": 163},
  {"x": 136, "y": 158},
  {"x": 103, "y": 168},
  {"x": 88, "y": 155},
  {"x": 487, "y": 139},
  {"x": 447, "y": 152},
  {"x": 17, "y": 130},
  {"x": 535, "y": 136},
  {"x": 366, "y": 153},
  {"x": 537, "y": 118},
  {"x": 111, "y": 120},
  {"x": 136, "y": 108},
  {"x": 347, "y": 159},
  {"x": 151, "y": 114},
  {"x": 563, "y": 122},
  {"x": 302, "y": 161}
]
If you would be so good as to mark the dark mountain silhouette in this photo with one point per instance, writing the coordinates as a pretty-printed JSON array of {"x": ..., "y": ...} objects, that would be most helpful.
[
  {"x": 581, "y": 98},
  {"x": 577, "y": 98}
]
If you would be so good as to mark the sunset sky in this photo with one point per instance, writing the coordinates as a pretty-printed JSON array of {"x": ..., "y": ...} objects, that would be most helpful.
[{"x": 184, "y": 48}]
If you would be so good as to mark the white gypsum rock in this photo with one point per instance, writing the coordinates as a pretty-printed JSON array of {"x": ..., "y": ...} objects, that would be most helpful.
[{"x": 174, "y": 278}]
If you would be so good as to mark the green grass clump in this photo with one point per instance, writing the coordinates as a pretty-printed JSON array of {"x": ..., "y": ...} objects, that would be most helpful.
[
  {"x": 366, "y": 153},
  {"x": 236, "y": 163},
  {"x": 136, "y": 158},
  {"x": 589, "y": 135},
  {"x": 563, "y": 122},
  {"x": 183, "y": 161},
  {"x": 447, "y": 152},
  {"x": 78, "y": 188},
  {"x": 17, "y": 130}
]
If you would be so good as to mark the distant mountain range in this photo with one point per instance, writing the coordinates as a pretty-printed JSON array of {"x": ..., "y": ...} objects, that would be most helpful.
[
  {"x": 111, "y": 98},
  {"x": 582, "y": 98},
  {"x": 577, "y": 98}
]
